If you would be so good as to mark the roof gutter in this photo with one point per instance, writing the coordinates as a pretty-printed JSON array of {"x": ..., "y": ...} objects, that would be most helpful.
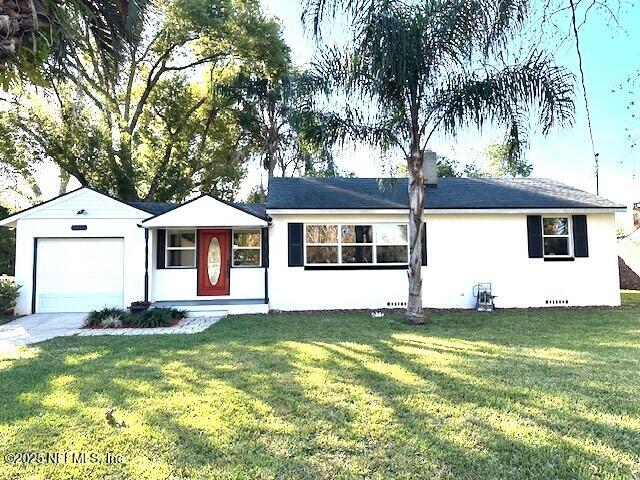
[{"x": 442, "y": 211}]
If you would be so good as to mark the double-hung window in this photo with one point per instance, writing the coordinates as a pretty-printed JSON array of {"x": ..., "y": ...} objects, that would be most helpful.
[
  {"x": 392, "y": 245},
  {"x": 181, "y": 249},
  {"x": 556, "y": 236},
  {"x": 247, "y": 248},
  {"x": 322, "y": 244},
  {"x": 356, "y": 243},
  {"x": 350, "y": 244}
]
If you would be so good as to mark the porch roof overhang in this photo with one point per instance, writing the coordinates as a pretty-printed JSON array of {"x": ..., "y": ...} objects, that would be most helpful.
[{"x": 205, "y": 212}]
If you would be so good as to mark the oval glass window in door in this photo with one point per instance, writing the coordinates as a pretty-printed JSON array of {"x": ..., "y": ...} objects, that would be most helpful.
[{"x": 214, "y": 259}]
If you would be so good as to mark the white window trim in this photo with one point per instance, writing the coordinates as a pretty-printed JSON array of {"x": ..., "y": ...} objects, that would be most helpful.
[
  {"x": 568, "y": 236},
  {"x": 234, "y": 248},
  {"x": 340, "y": 244},
  {"x": 167, "y": 248}
]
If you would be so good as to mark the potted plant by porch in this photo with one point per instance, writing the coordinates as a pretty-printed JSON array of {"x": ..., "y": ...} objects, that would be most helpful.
[{"x": 139, "y": 306}]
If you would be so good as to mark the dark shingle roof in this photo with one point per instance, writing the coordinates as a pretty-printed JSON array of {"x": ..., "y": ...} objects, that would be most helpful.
[
  {"x": 257, "y": 209},
  {"x": 154, "y": 208},
  {"x": 451, "y": 193}
]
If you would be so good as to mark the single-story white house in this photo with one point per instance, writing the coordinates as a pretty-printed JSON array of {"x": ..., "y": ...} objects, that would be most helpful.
[{"x": 318, "y": 244}]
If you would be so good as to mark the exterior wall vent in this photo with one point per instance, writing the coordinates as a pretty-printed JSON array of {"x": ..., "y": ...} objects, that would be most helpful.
[
  {"x": 396, "y": 304},
  {"x": 556, "y": 302}
]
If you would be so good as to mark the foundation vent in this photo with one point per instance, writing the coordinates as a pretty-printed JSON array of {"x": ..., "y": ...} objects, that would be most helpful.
[
  {"x": 556, "y": 301},
  {"x": 396, "y": 304}
]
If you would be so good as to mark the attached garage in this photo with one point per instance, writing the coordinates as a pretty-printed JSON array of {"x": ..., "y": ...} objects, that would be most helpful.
[
  {"x": 79, "y": 252},
  {"x": 79, "y": 274}
]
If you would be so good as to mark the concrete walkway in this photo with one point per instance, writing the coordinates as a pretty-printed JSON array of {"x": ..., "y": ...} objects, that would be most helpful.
[
  {"x": 37, "y": 328},
  {"x": 43, "y": 326}
]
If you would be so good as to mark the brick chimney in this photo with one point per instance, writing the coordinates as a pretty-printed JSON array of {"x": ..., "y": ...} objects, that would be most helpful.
[
  {"x": 430, "y": 169},
  {"x": 636, "y": 215}
]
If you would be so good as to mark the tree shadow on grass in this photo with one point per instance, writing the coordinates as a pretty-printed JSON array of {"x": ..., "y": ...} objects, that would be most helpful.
[{"x": 346, "y": 397}]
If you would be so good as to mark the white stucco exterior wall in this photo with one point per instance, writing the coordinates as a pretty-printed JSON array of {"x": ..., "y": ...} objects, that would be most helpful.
[{"x": 462, "y": 249}]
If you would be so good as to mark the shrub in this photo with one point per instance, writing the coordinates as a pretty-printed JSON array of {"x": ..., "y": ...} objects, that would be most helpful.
[
  {"x": 114, "y": 321},
  {"x": 115, "y": 317},
  {"x": 8, "y": 293},
  {"x": 96, "y": 317},
  {"x": 155, "y": 317},
  {"x": 178, "y": 314}
]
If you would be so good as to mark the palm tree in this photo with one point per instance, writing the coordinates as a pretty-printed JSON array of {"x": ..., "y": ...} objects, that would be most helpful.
[
  {"x": 35, "y": 31},
  {"x": 433, "y": 66}
]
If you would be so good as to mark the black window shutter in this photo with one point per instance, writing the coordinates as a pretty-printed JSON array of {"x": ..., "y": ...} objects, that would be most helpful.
[
  {"x": 580, "y": 240},
  {"x": 296, "y": 255},
  {"x": 265, "y": 247},
  {"x": 424, "y": 244},
  {"x": 160, "y": 248},
  {"x": 534, "y": 232}
]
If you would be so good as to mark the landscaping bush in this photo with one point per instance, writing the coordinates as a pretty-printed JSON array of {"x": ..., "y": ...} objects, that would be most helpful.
[
  {"x": 115, "y": 317},
  {"x": 178, "y": 314},
  {"x": 8, "y": 293},
  {"x": 114, "y": 321},
  {"x": 155, "y": 317},
  {"x": 96, "y": 317}
]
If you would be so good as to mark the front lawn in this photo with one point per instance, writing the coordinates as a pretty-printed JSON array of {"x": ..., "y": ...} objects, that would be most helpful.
[
  {"x": 511, "y": 395},
  {"x": 630, "y": 298}
]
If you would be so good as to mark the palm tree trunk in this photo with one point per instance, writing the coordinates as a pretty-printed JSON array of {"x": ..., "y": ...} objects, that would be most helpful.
[{"x": 414, "y": 313}]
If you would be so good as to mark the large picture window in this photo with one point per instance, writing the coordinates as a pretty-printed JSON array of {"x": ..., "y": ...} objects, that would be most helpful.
[
  {"x": 181, "y": 248},
  {"x": 247, "y": 248},
  {"x": 351, "y": 244},
  {"x": 556, "y": 236}
]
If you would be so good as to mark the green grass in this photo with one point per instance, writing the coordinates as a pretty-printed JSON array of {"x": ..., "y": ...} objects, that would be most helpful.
[
  {"x": 630, "y": 298},
  {"x": 510, "y": 395},
  {"x": 6, "y": 318}
]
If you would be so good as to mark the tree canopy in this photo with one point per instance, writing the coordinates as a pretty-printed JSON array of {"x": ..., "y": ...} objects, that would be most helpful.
[{"x": 160, "y": 123}]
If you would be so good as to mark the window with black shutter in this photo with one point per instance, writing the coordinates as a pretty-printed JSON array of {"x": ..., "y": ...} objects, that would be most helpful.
[
  {"x": 580, "y": 240},
  {"x": 296, "y": 255},
  {"x": 160, "y": 248},
  {"x": 534, "y": 234}
]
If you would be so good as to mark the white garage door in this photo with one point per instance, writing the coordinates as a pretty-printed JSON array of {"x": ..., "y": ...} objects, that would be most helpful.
[{"x": 79, "y": 274}]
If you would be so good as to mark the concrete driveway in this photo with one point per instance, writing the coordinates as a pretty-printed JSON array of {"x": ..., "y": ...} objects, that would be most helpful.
[{"x": 37, "y": 328}]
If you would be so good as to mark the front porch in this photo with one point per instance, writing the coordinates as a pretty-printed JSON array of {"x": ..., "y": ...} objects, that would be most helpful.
[
  {"x": 209, "y": 258},
  {"x": 228, "y": 306}
]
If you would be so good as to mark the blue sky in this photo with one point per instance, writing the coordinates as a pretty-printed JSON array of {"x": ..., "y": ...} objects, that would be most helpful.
[{"x": 610, "y": 55}]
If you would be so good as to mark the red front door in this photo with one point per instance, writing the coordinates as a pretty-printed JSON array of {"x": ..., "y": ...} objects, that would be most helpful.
[{"x": 214, "y": 262}]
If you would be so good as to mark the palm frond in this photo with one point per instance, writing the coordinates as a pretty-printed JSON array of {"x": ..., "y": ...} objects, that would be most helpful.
[
  {"x": 501, "y": 96},
  {"x": 316, "y": 12},
  {"x": 41, "y": 39}
]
